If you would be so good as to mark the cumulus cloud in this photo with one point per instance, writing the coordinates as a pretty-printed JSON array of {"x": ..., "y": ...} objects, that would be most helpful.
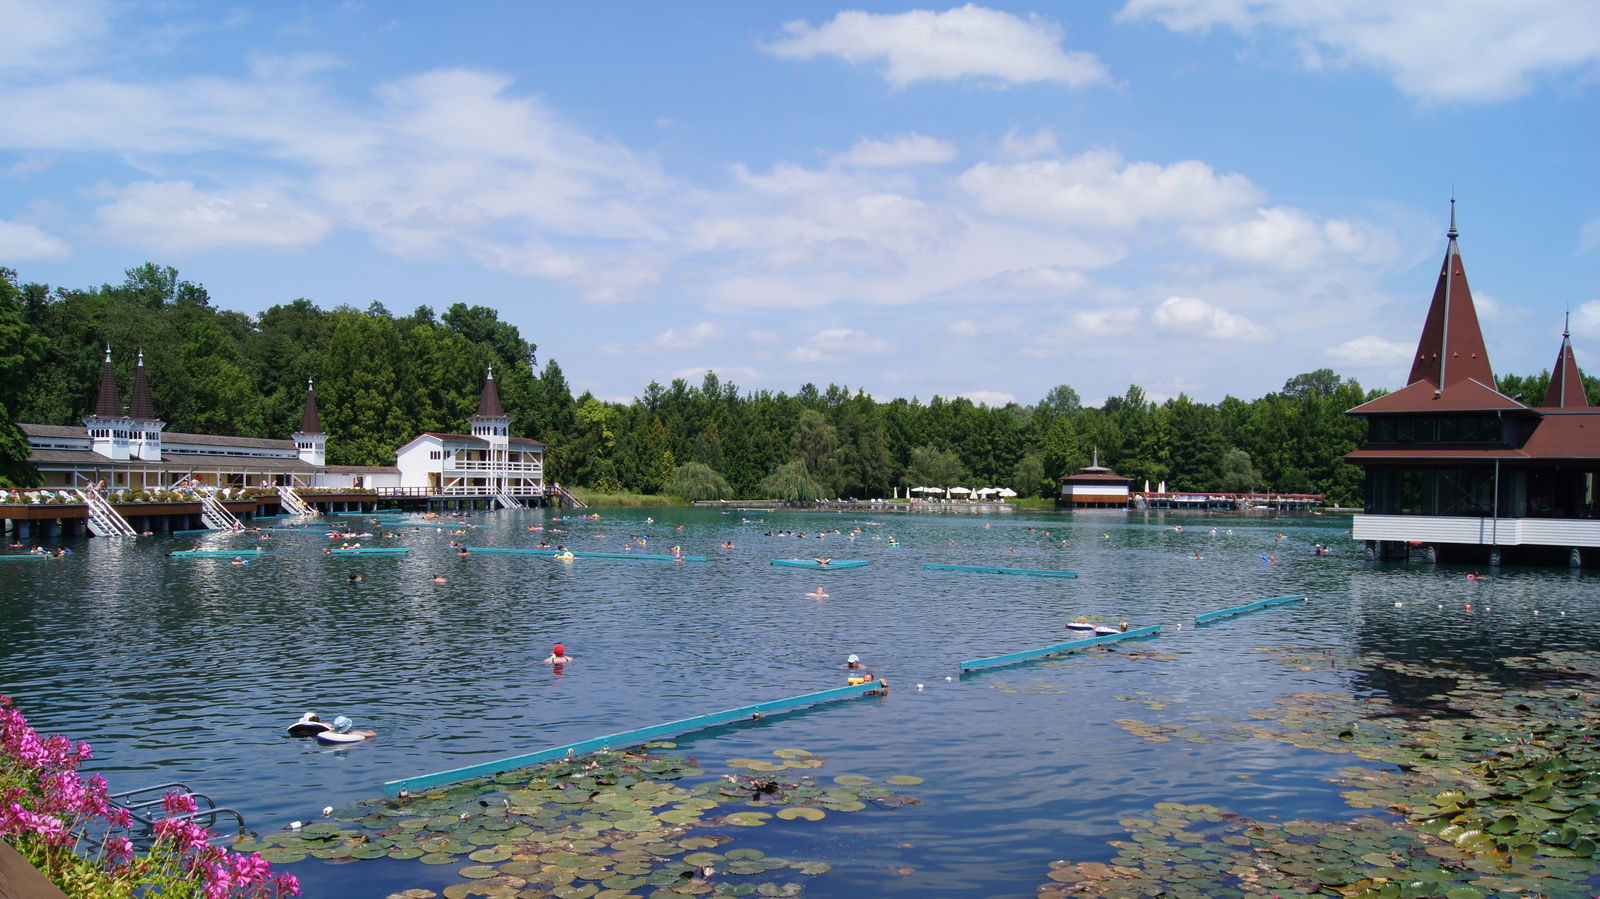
[
  {"x": 1589, "y": 236},
  {"x": 1289, "y": 239},
  {"x": 37, "y": 34},
  {"x": 911, "y": 149},
  {"x": 992, "y": 398},
  {"x": 1477, "y": 50},
  {"x": 26, "y": 243},
  {"x": 1017, "y": 145},
  {"x": 172, "y": 216},
  {"x": 1371, "y": 351},
  {"x": 1101, "y": 189},
  {"x": 835, "y": 344},
  {"x": 1104, "y": 322},
  {"x": 1195, "y": 318},
  {"x": 966, "y": 42},
  {"x": 691, "y": 338},
  {"x": 1586, "y": 319}
]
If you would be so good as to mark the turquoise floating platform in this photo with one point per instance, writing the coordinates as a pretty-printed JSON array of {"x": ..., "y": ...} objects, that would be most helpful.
[
  {"x": 814, "y": 565},
  {"x": 374, "y": 551},
  {"x": 1041, "y": 572},
  {"x": 214, "y": 553},
  {"x": 1027, "y": 655},
  {"x": 651, "y": 557},
  {"x": 1204, "y": 617},
  {"x": 19, "y": 557},
  {"x": 628, "y": 738}
]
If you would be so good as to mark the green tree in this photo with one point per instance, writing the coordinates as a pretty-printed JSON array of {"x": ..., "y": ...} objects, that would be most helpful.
[
  {"x": 698, "y": 481},
  {"x": 933, "y": 467},
  {"x": 1239, "y": 475},
  {"x": 792, "y": 482},
  {"x": 20, "y": 351}
]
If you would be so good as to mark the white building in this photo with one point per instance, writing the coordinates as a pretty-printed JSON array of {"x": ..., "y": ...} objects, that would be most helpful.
[{"x": 487, "y": 462}]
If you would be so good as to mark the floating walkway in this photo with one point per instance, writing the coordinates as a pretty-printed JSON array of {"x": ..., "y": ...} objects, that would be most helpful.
[
  {"x": 650, "y": 557},
  {"x": 1027, "y": 655},
  {"x": 629, "y": 738},
  {"x": 1031, "y": 572},
  {"x": 18, "y": 557},
  {"x": 814, "y": 565},
  {"x": 214, "y": 553},
  {"x": 371, "y": 551},
  {"x": 1205, "y": 617}
]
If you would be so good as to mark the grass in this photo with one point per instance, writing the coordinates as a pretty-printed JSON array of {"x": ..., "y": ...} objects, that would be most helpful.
[{"x": 625, "y": 498}]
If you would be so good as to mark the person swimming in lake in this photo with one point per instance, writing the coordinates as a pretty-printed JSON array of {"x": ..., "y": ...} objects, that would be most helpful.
[
  {"x": 819, "y": 594},
  {"x": 558, "y": 656},
  {"x": 823, "y": 562},
  {"x": 438, "y": 578}
]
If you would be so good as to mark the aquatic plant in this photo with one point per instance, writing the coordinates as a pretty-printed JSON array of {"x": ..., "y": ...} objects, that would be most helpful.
[
  {"x": 66, "y": 826},
  {"x": 606, "y": 825}
]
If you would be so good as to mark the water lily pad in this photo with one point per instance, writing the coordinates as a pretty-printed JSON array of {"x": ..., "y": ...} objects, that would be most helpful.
[
  {"x": 747, "y": 819},
  {"x": 437, "y": 858},
  {"x": 497, "y": 854},
  {"x": 852, "y": 780},
  {"x": 405, "y": 854},
  {"x": 801, "y": 811},
  {"x": 903, "y": 780},
  {"x": 813, "y": 868},
  {"x": 792, "y": 753},
  {"x": 282, "y": 856},
  {"x": 477, "y": 872}
]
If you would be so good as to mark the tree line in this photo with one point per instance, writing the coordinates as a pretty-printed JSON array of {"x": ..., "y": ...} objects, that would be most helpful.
[{"x": 381, "y": 378}]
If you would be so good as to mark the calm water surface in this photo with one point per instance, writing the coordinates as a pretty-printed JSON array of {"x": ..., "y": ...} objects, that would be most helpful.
[{"x": 189, "y": 669}]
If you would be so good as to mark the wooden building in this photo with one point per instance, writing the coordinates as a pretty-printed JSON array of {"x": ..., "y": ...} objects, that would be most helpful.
[
  {"x": 1094, "y": 487},
  {"x": 1460, "y": 472}
]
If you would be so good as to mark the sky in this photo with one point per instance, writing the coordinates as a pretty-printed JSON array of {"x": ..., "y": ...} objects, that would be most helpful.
[{"x": 1201, "y": 197}]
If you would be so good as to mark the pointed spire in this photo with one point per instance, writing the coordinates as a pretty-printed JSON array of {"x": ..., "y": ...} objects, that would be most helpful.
[
  {"x": 1451, "y": 349},
  {"x": 140, "y": 408},
  {"x": 310, "y": 423},
  {"x": 1566, "y": 382},
  {"x": 1452, "y": 233},
  {"x": 489, "y": 404},
  {"x": 109, "y": 403}
]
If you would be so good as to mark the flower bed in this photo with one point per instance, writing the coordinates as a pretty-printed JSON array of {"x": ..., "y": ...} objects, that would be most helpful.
[{"x": 67, "y": 827}]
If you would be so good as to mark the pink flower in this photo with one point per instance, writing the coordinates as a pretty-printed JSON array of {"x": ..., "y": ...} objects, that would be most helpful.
[{"x": 179, "y": 803}]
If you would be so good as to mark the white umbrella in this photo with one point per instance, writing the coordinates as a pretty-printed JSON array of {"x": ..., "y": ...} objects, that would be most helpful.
[
  {"x": 927, "y": 489},
  {"x": 987, "y": 491},
  {"x": 959, "y": 490},
  {"x": 1008, "y": 492}
]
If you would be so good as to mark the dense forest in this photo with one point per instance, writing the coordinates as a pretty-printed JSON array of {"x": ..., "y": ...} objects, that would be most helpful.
[{"x": 381, "y": 378}]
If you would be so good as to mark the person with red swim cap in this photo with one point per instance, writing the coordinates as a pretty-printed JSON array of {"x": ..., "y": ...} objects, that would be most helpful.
[{"x": 558, "y": 656}]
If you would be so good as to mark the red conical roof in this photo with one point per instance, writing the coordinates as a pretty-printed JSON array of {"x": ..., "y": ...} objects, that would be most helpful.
[
  {"x": 489, "y": 404},
  {"x": 140, "y": 408},
  {"x": 1451, "y": 349},
  {"x": 310, "y": 423},
  {"x": 1566, "y": 382},
  {"x": 109, "y": 403}
]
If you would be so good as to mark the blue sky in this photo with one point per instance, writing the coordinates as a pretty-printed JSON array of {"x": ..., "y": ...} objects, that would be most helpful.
[{"x": 1199, "y": 196}]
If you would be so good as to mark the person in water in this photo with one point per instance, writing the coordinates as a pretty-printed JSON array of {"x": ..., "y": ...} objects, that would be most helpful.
[
  {"x": 558, "y": 656},
  {"x": 853, "y": 662},
  {"x": 438, "y": 578},
  {"x": 355, "y": 578}
]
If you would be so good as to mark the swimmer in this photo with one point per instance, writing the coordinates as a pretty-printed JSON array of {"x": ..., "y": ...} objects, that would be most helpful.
[
  {"x": 853, "y": 662},
  {"x": 822, "y": 562},
  {"x": 355, "y": 578},
  {"x": 438, "y": 578},
  {"x": 558, "y": 656},
  {"x": 237, "y": 561},
  {"x": 819, "y": 594}
]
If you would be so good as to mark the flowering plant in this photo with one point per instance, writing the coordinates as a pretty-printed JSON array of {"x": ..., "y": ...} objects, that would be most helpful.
[{"x": 48, "y": 811}]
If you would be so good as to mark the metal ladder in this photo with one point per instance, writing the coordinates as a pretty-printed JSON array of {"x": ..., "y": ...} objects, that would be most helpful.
[
  {"x": 294, "y": 503},
  {"x": 214, "y": 514},
  {"x": 507, "y": 500},
  {"x": 104, "y": 521}
]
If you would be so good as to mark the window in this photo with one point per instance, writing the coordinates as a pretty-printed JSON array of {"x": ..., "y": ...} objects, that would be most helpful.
[{"x": 1430, "y": 429}]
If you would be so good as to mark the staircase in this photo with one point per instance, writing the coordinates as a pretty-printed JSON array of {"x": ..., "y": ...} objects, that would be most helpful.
[
  {"x": 294, "y": 504},
  {"x": 508, "y": 501},
  {"x": 214, "y": 514},
  {"x": 104, "y": 521},
  {"x": 567, "y": 498}
]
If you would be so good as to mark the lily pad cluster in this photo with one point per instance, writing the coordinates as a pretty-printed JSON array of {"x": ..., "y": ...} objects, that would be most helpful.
[
  {"x": 611, "y": 825},
  {"x": 1495, "y": 788}
]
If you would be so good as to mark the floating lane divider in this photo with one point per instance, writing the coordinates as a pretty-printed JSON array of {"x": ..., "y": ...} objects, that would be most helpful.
[
  {"x": 1033, "y": 572},
  {"x": 19, "y": 557},
  {"x": 1204, "y": 617},
  {"x": 814, "y": 565},
  {"x": 1027, "y": 655},
  {"x": 371, "y": 551},
  {"x": 651, "y": 557},
  {"x": 628, "y": 738},
  {"x": 214, "y": 553}
]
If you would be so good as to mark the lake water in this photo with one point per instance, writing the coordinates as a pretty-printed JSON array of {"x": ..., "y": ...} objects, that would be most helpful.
[{"x": 189, "y": 670}]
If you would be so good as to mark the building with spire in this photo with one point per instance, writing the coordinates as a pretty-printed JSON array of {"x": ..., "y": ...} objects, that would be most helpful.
[
  {"x": 1093, "y": 487},
  {"x": 1463, "y": 473},
  {"x": 486, "y": 462}
]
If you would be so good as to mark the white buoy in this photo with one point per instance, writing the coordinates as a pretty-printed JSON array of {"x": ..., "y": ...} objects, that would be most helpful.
[
  {"x": 1397, "y": 605},
  {"x": 294, "y": 825},
  {"x": 919, "y": 686},
  {"x": 948, "y": 679}
]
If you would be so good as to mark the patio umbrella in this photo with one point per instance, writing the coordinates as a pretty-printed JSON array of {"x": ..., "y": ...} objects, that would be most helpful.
[
  {"x": 987, "y": 491},
  {"x": 1008, "y": 492},
  {"x": 959, "y": 490},
  {"x": 927, "y": 489}
]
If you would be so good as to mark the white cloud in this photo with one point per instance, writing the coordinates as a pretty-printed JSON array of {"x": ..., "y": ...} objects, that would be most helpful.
[
  {"x": 911, "y": 149},
  {"x": 1024, "y": 147},
  {"x": 1100, "y": 188},
  {"x": 966, "y": 42},
  {"x": 172, "y": 216},
  {"x": 1586, "y": 319},
  {"x": 836, "y": 344},
  {"x": 964, "y": 328},
  {"x": 992, "y": 398},
  {"x": 1472, "y": 50},
  {"x": 37, "y": 34},
  {"x": 1105, "y": 322},
  {"x": 1285, "y": 238},
  {"x": 1371, "y": 351},
  {"x": 691, "y": 338},
  {"x": 1189, "y": 317},
  {"x": 1589, "y": 236},
  {"x": 695, "y": 376},
  {"x": 26, "y": 243}
]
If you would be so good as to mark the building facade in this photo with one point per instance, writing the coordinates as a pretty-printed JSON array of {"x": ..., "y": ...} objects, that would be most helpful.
[{"x": 1458, "y": 471}]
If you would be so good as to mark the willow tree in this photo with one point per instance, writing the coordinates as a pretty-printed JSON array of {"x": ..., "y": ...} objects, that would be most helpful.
[
  {"x": 698, "y": 481},
  {"x": 792, "y": 481}
]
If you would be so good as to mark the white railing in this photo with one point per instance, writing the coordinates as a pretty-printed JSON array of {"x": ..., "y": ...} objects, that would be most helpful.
[
  {"x": 104, "y": 521},
  {"x": 294, "y": 503},
  {"x": 507, "y": 500},
  {"x": 568, "y": 497},
  {"x": 1478, "y": 531},
  {"x": 523, "y": 468},
  {"x": 214, "y": 514}
]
